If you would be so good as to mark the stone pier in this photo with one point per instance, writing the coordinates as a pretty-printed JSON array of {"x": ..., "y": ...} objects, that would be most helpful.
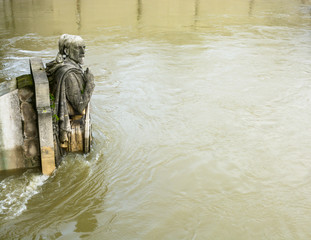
[
  {"x": 28, "y": 136},
  {"x": 26, "y": 129}
]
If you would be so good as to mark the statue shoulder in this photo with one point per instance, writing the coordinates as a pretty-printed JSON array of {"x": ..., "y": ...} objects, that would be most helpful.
[{"x": 66, "y": 69}]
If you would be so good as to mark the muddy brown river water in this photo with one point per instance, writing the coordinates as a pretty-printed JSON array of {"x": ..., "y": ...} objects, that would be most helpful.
[{"x": 201, "y": 120}]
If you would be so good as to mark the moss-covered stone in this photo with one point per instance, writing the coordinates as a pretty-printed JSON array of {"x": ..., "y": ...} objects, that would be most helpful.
[{"x": 24, "y": 81}]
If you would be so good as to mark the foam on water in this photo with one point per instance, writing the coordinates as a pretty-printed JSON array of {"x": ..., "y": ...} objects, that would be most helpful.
[{"x": 15, "y": 193}]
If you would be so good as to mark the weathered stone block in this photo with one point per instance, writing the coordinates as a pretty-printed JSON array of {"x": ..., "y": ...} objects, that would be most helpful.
[
  {"x": 11, "y": 135},
  {"x": 45, "y": 125},
  {"x": 30, "y": 129},
  {"x": 12, "y": 158},
  {"x": 48, "y": 166},
  {"x": 26, "y": 94},
  {"x": 7, "y": 87},
  {"x": 76, "y": 137},
  {"x": 28, "y": 112},
  {"x": 41, "y": 83},
  {"x": 31, "y": 148}
]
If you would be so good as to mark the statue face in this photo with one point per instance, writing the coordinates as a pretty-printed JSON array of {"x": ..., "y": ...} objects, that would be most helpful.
[{"x": 77, "y": 51}]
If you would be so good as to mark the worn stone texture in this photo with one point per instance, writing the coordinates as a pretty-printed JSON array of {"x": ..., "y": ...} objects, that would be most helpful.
[
  {"x": 41, "y": 83},
  {"x": 11, "y": 134},
  {"x": 19, "y": 144},
  {"x": 45, "y": 126},
  {"x": 12, "y": 158},
  {"x": 30, "y": 127},
  {"x": 7, "y": 86},
  {"x": 26, "y": 94},
  {"x": 31, "y": 148},
  {"x": 87, "y": 130},
  {"x": 47, "y": 154},
  {"x": 28, "y": 112},
  {"x": 76, "y": 137}
]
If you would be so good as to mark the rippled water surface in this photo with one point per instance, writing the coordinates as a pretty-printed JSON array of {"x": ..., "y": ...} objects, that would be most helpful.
[{"x": 201, "y": 120}]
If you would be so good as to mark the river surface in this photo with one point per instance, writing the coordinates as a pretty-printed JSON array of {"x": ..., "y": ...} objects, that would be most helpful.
[{"x": 201, "y": 121}]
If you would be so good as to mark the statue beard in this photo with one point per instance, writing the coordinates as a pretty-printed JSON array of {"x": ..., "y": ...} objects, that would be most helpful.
[
  {"x": 81, "y": 60},
  {"x": 77, "y": 57}
]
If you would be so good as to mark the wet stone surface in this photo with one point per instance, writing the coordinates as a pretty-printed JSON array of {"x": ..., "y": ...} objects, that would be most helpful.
[{"x": 30, "y": 129}]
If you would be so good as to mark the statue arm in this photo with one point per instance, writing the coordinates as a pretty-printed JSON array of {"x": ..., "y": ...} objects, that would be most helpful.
[{"x": 76, "y": 95}]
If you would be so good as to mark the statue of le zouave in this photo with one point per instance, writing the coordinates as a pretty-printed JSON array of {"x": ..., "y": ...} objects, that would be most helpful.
[{"x": 71, "y": 89}]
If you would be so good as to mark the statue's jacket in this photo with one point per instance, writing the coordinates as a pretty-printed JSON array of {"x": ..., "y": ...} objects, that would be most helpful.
[{"x": 71, "y": 93}]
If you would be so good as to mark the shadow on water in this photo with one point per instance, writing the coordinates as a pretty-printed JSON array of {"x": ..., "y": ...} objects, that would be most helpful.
[
  {"x": 79, "y": 15},
  {"x": 251, "y": 7},
  {"x": 139, "y": 10}
]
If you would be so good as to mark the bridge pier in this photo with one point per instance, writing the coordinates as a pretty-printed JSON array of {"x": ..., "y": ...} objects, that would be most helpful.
[{"x": 26, "y": 129}]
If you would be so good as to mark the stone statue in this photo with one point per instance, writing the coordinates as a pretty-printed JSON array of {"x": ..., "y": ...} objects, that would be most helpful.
[{"x": 71, "y": 89}]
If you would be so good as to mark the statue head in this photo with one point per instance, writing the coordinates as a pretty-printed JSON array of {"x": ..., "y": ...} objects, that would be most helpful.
[{"x": 72, "y": 46}]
